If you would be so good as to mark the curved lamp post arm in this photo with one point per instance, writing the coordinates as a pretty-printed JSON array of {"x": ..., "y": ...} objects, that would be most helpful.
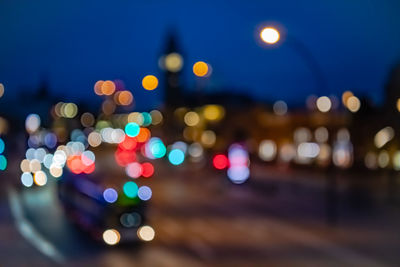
[{"x": 310, "y": 60}]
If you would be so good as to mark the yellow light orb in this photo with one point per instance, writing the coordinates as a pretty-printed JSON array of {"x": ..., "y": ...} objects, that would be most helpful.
[
  {"x": 146, "y": 233},
  {"x": 324, "y": 104},
  {"x": 345, "y": 96},
  {"x": 94, "y": 139},
  {"x": 213, "y": 112},
  {"x": 200, "y": 69},
  {"x": 111, "y": 237},
  {"x": 34, "y": 165},
  {"x": 324, "y": 154},
  {"x": 56, "y": 171},
  {"x": 3, "y": 126},
  {"x": 1, "y": 89},
  {"x": 384, "y": 136},
  {"x": 191, "y": 118},
  {"x": 70, "y": 110},
  {"x": 383, "y": 159},
  {"x": 156, "y": 117},
  {"x": 398, "y": 104},
  {"x": 58, "y": 109},
  {"x": 270, "y": 35},
  {"x": 136, "y": 117},
  {"x": 173, "y": 62},
  {"x": 25, "y": 165},
  {"x": 40, "y": 178},
  {"x": 396, "y": 161},
  {"x": 353, "y": 104},
  {"x": 208, "y": 138},
  {"x": 150, "y": 82}
]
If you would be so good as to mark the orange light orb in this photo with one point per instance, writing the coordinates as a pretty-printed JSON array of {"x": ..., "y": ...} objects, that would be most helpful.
[
  {"x": 108, "y": 88},
  {"x": 345, "y": 96},
  {"x": 200, "y": 69},
  {"x": 143, "y": 135},
  {"x": 150, "y": 82},
  {"x": 125, "y": 98},
  {"x": 97, "y": 87},
  {"x": 108, "y": 107}
]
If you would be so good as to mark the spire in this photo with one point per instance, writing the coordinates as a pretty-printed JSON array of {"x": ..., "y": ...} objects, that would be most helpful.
[
  {"x": 172, "y": 45},
  {"x": 172, "y": 62}
]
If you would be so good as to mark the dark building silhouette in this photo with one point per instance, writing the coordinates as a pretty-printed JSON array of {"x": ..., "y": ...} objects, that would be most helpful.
[
  {"x": 173, "y": 91},
  {"x": 392, "y": 93}
]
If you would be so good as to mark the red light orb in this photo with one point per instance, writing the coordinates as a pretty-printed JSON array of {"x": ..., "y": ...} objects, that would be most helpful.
[
  {"x": 147, "y": 169},
  {"x": 89, "y": 169},
  {"x": 124, "y": 157},
  {"x": 129, "y": 143},
  {"x": 75, "y": 164},
  {"x": 220, "y": 161}
]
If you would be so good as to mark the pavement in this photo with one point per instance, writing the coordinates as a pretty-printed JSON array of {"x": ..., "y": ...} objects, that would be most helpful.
[{"x": 279, "y": 218}]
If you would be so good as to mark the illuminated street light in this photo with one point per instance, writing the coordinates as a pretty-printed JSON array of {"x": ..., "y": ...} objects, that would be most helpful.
[{"x": 270, "y": 35}]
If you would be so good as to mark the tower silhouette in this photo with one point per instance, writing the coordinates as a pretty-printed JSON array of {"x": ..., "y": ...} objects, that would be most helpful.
[{"x": 174, "y": 96}]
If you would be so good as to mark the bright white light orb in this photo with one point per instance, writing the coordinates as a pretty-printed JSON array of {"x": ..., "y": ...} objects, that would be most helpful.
[{"x": 270, "y": 35}]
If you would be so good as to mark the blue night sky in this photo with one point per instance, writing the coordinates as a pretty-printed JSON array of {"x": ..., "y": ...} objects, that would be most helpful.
[{"x": 75, "y": 43}]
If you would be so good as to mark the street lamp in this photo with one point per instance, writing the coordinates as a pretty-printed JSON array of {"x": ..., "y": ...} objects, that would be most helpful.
[{"x": 271, "y": 36}]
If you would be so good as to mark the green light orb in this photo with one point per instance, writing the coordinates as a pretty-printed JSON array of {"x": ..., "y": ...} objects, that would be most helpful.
[
  {"x": 3, "y": 162},
  {"x": 132, "y": 129},
  {"x": 130, "y": 189}
]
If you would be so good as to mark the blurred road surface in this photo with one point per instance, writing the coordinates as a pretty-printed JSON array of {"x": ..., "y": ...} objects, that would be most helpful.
[{"x": 278, "y": 218}]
